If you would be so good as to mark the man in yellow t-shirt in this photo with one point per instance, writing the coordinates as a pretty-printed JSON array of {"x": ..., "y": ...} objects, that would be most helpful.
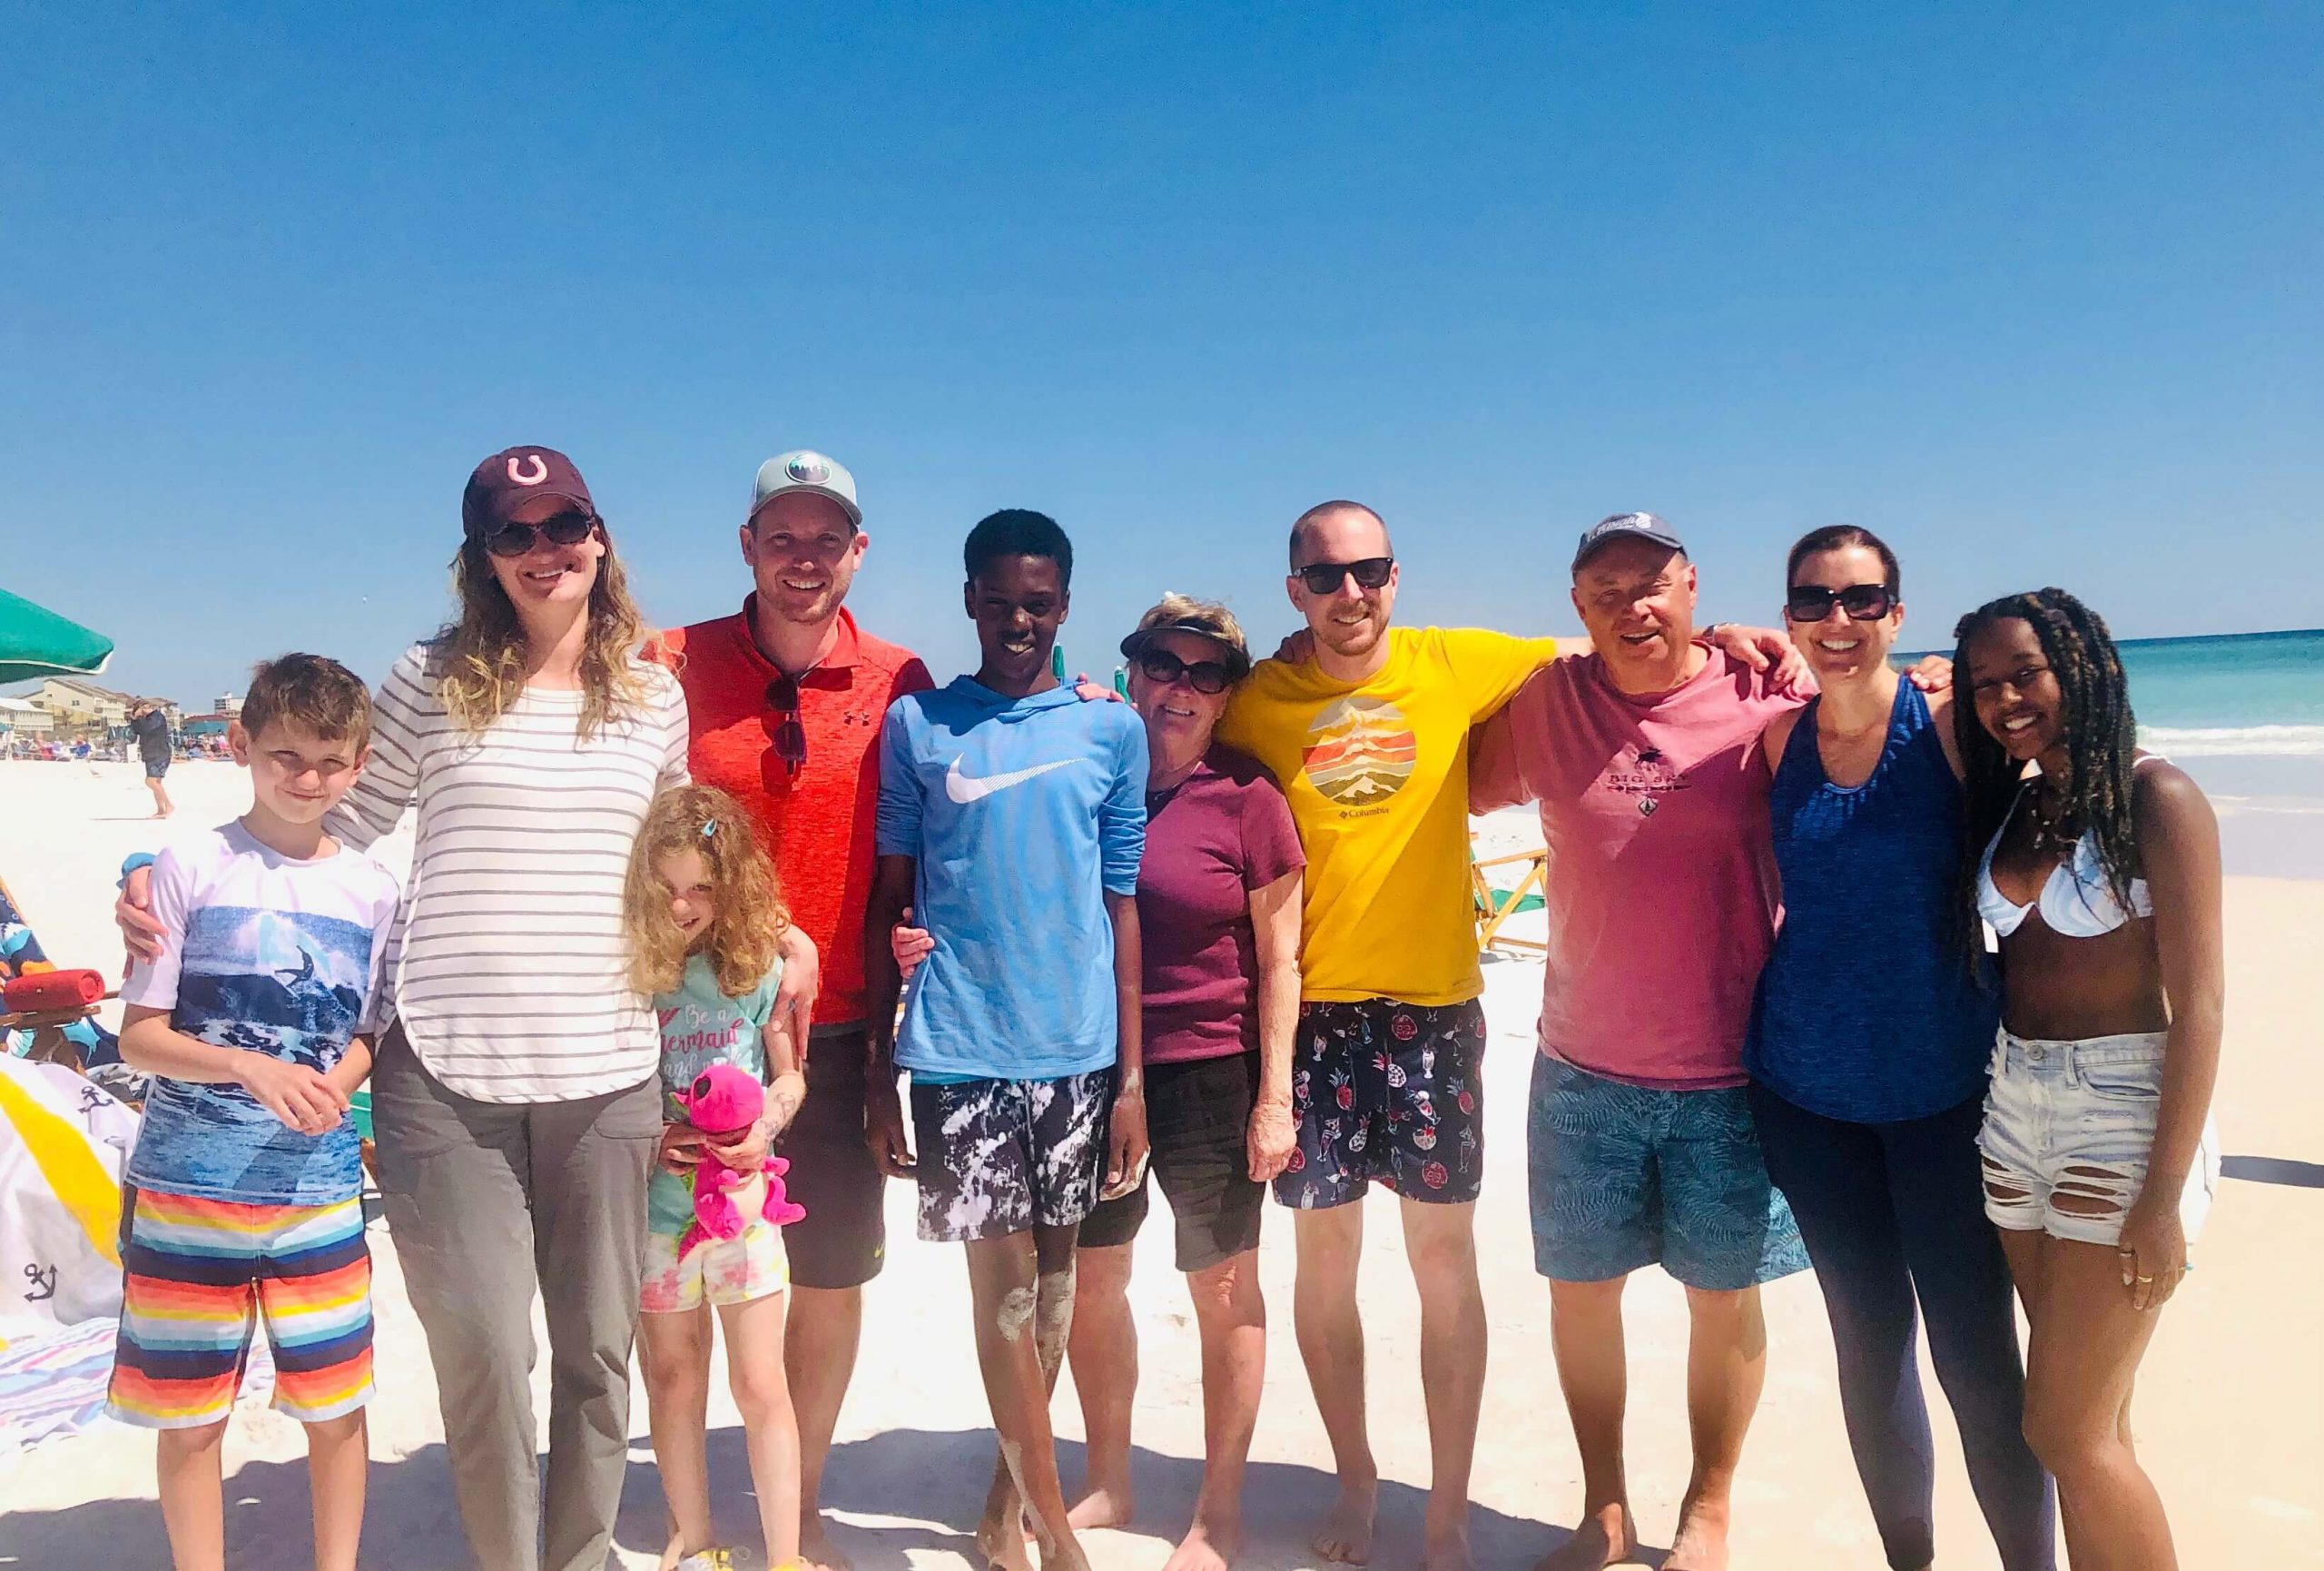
[{"x": 1370, "y": 743}]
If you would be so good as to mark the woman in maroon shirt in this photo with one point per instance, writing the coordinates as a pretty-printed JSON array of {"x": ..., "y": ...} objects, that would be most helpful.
[{"x": 1218, "y": 895}]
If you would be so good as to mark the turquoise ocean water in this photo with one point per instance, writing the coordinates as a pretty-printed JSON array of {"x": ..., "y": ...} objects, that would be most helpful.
[
  {"x": 2242, "y": 695},
  {"x": 2243, "y": 713}
]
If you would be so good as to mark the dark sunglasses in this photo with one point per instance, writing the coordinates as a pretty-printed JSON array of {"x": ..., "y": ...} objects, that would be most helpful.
[
  {"x": 1202, "y": 676},
  {"x": 1862, "y": 602},
  {"x": 789, "y": 735},
  {"x": 562, "y": 529},
  {"x": 1324, "y": 577}
]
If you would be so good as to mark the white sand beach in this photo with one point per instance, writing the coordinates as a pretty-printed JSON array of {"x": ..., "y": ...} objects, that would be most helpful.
[{"x": 2230, "y": 1410}]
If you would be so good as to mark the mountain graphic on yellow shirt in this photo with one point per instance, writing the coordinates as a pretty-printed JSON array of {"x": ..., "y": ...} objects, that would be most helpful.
[{"x": 1359, "y": 751}]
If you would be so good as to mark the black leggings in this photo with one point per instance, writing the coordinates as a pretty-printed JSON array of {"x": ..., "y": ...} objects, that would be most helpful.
[{"x": 1891, "y": 1213}]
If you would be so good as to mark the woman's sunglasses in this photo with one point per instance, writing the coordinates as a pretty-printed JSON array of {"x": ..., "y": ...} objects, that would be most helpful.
[
  {"x": 1325, "y": 577},
  {"x": 1862, "y": 602},
  {"x": 789, "y": 737},
  {"x": 1162, "y": 666},
  {"x": 562, "y": 529}
]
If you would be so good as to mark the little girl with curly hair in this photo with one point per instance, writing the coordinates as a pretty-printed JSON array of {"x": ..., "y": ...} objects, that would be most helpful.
[{"x": 705, "y": 917}]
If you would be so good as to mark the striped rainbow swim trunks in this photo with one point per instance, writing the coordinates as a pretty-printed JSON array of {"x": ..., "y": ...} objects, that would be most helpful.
[{"x": 202, "y": 1274}]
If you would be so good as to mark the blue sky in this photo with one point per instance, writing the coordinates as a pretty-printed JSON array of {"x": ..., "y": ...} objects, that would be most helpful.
[{"x": 2033, "y": 290}]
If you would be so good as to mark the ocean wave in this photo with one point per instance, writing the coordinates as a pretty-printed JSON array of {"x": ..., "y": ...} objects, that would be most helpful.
[{"x": 2234, "y": 741}]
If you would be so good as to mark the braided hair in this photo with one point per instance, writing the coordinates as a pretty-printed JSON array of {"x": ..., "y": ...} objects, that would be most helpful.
[{"x": 2101, "y": 737}]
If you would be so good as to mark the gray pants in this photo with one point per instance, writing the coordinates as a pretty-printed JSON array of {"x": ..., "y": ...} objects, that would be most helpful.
[{"x": 486, "y": 1201}]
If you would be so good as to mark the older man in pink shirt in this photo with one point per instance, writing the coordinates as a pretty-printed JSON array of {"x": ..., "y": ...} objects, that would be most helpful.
[{"x": 1662, "y": 901}]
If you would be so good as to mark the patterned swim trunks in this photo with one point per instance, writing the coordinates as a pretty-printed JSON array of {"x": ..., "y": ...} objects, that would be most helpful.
[
  {"x": 200, "y": 1276},
  {"x": 999, "y": 1156},
  {"x": 1388, "y": 1092}
]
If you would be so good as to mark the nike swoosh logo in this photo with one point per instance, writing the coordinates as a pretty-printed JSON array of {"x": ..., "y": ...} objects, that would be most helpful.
[{"x": 965, "y": 788}]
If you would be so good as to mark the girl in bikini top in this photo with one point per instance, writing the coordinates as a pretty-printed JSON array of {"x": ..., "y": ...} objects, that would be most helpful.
[{"x": 2075, "y": 900}]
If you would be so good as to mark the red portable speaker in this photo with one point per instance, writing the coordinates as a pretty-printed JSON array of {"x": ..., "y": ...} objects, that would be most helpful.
[{"x": 51, "y": 989}]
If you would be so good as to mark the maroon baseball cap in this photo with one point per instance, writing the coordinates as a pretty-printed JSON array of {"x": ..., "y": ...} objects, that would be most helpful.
[{"x": 509, "y": 477}]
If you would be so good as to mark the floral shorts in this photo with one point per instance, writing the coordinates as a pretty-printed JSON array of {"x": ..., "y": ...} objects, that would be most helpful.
[
  {"x": 1386, "y": 1091},
  {"x": 750, "y": 1265}
]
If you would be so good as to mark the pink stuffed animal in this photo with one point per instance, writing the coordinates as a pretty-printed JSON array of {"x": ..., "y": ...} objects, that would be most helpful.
[{"x": 722, "y": 1101}]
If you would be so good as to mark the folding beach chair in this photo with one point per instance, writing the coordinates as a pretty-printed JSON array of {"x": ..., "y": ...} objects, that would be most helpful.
[
  {"x": 65, "y": 1035},
  {"x": 1496, "y": 906}
]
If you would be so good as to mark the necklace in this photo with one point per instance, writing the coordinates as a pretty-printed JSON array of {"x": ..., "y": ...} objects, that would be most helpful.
[{"x": 2053, "y": 828}]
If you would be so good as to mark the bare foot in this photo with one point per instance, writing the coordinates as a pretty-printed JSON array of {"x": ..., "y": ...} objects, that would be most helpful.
[
  {"x": 1103, "y": 1507},
  {"x": 1345, "y": 1536},
  {"x": 1700, "y": 1543},
  {"x": 1447, "y": 1551},
  {"x": 1003, "y": 1545},
  {"x": 1607, "y": 1537},
  {"x": 1209, "y": 1545},
  {"x": 816, "y": 1548},
  {"x": 1063, "y": 1554}
]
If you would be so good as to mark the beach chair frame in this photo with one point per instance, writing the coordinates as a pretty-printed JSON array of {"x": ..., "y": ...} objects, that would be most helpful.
[{"x": 1496, "y": 907}]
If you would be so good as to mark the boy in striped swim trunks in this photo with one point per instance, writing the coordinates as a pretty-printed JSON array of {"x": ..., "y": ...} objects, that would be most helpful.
[{"x": 247, "y": 1180}]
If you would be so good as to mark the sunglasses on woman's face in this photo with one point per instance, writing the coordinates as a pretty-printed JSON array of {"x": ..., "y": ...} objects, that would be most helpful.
[
  {"x": 789, "y": 737},
  {"x": 1325, "y": 577},
  {"x": 511, "y": 541},
  {"x": 1862, "y": 602},
  {"x": 1163, "y": 668}
]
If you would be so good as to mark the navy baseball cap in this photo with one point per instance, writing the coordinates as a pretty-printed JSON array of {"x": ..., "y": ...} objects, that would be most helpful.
[{"x": 1620, "y": 526}]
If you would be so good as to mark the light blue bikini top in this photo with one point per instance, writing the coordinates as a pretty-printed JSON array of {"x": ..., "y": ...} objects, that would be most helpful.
[{"x": 2076, "y": 901}]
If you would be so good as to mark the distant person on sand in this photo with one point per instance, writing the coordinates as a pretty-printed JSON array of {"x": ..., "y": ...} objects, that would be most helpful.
[
  {"x": 706, "y": 917},
  {"x": 254, "y": 1015},
  {"x": 151, "y": 726},
  {"x": 784, "y": 701},
  {"x": 1012, "y": 817},
  {"x": 1218, "y": 925},
  {"x": 1867, "y": 1055},
  {"x": 1662, "y": 899},
  {"x": 2100, "y": 874},
  {"x": 530, "y": 738}
]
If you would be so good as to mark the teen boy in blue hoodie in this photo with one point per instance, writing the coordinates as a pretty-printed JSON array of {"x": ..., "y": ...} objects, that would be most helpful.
[{"x": 1011, "y": 818}]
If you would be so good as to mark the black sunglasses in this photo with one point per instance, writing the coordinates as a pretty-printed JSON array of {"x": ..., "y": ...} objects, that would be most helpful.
[
  {"x": 789, "y": 735},
  {"x": 1202, "y": 676},
  {"x": 562, "y": 529},
  {"x": 1325, "y": 577},
  {"x": 1862, "y": 602}
]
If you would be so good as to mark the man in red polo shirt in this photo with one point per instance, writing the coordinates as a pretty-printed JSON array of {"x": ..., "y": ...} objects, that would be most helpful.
[{"x": 784, "y": 701}]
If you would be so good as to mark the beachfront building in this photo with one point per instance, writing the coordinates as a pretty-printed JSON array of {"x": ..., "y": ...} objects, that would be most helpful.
[
  {"x": 20, "y": 718},
  {"x": 75, "y": 707}
]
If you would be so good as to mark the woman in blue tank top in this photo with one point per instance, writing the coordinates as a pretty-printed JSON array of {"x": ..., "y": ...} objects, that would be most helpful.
[{"x": 1868, "y": 1053}]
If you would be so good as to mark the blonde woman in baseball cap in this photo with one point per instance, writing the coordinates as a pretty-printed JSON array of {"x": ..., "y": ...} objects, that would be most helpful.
[{"x": 515, "y": 1094}]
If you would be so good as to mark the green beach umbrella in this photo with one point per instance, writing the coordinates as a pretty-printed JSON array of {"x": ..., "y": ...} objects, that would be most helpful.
[{"x": 36, "y": 643}]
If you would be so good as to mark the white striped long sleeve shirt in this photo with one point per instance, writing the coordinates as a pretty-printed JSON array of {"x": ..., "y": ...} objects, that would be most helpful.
[{"x": 508, "y": 967}]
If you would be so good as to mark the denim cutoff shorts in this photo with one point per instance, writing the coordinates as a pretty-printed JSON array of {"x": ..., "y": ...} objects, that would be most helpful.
[
  {"x": 2076, "y": 1119},
  {"x": 1622, "y": 1176}
]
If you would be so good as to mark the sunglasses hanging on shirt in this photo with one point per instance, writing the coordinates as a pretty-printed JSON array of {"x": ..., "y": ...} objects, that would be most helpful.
[{"x": 789, "y": 737}]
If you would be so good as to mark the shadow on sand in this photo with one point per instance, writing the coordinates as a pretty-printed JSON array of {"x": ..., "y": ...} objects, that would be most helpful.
[
  {"x": 2273, "y": 1169},
  {"x": 934, "y": 1479}
]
